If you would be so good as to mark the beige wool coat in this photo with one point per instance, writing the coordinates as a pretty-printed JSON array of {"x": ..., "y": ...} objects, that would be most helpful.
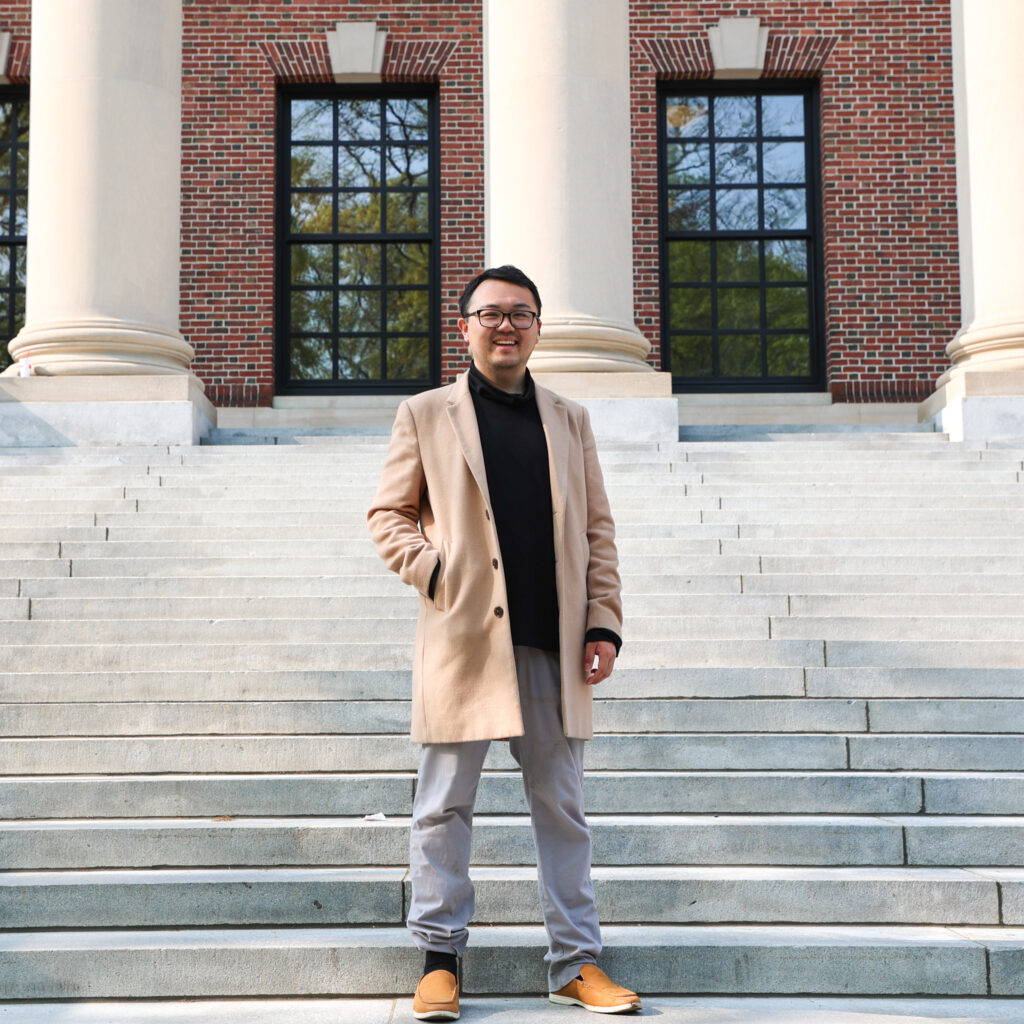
[{"x": 432, "y": 504}]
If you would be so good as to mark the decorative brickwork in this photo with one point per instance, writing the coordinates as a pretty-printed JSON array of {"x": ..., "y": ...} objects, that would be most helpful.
[
  {"x": 889, "y": 176},
  {"x": 797, "y": 56},
  {"x": 680, "y": 58},
  {"x": 15, "y": 17}
]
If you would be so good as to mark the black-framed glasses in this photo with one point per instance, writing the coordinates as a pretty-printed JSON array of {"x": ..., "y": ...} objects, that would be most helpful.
[{"x": 520, "y": 319}]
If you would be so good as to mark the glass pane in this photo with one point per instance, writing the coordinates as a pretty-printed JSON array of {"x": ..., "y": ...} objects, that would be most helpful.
[
  {"x": 312, "y": 264},
  {"x": 408, "y": 120},
  {"x": 6, "y": 121},
  {"x": 689, "y": 209},
  {"x": 789, "y": 355},
  {"x": 408, "y": 358},
  {"x": 21, "y": 165},
  {"x": 736, "y": 163},
  {"x": 785, "y": 259},
  {"x": 310, "y": 359},
  {"x": 5, "y": 265},
  {"x": 5, "y": 167},
  {"x": 689, "y": 308},
  {"x": 311, "y": 312},
  {"x": 408, "y": 311},
  {"x": 358, "y": 212},
  {"x": 735, "y": 115},
  {"x": 738, "y": 260},
  {"x": 5, "y": 309},
  {"x": 408, "y": 263},
  {"x": 408, "y": 166},
  {"x": 787, "y": 307},
  {"x": 359, "y": 310},
  {"x": 692, "y": 356},
  {"x": 689, "y": 163},
  {"x": 359, "y": 358},
  {"x": 689, "y": 261},
  {"x": 784, "y": 161},
  {"x": 358, "y": 120},
  {"x": 785, "y": 208},
  {"x": 312, "y": 213},
  {"x": 312, "y": 167},
  {"x": 22, "y": 113},
  {"x": 739, "y": 308},
  {"x": 408, "y": 212},
  {"x": 739, "y": 355},
  {"x": 686, "y": 116},
  {"x": 21, "y": 213},
  {"x": 782, "y": 115},
  {"x": 312, "y": 120},
  {"x": 359, "y": 167},
  {"x": 359, "y": 264},
  {"x": 736, "y": 209}
]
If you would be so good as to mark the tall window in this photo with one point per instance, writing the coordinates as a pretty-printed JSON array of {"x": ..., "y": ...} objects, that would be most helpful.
[
  {"x": 13, "y": 214},
  {"x": 357, "y": 260},
  {"x": 741, "y": 303}
]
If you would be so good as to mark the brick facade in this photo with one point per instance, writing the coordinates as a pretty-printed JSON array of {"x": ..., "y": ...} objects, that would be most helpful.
[
  {"x": 889, "y": 176},
  {"x": 888, "y": 170}
]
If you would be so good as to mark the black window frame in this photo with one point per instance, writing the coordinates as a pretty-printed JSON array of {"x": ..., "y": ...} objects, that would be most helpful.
[
  {"x": 10, "y": 325},
  {"x": 813, "y": 233},
  {"x": 284, "y": 239}
]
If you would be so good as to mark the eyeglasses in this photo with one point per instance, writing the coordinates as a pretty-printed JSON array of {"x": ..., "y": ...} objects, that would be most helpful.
[{"x": 520, "y": 319}]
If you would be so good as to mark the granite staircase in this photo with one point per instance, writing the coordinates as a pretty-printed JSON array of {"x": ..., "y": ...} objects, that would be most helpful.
[{"x": 808, "y": 778}]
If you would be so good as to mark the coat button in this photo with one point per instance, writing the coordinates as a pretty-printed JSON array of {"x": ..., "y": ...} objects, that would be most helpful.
[
  {"x": 494, "y": 563},
  {"x": 499, "y": 612}
]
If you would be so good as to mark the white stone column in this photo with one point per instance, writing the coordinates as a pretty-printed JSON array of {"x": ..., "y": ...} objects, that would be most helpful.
[
  {"x": 104, "y": 189},
  {"x": 982, "y": 394},
  {"x": 557, "y": 174}
]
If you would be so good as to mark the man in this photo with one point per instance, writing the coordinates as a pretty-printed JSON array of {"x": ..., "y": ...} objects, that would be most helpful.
[{"x": 491, "y": 504}]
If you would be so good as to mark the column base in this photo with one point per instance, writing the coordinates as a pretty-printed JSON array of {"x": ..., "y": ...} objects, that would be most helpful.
[
  {"x": 82, "y": 411},
  {"x": 623, "y": 407},
  {"x": 978, "y": 406}
]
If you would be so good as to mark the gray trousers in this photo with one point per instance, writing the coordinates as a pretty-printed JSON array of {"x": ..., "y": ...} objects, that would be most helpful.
[{"x": 442, "y": 825}]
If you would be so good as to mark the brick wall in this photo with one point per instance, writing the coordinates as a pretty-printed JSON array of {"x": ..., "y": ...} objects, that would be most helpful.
[{"x": 889, "y": 177}]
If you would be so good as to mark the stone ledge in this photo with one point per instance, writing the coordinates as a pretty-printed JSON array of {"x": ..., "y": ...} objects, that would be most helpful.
[{"x": 47, "y": 412}]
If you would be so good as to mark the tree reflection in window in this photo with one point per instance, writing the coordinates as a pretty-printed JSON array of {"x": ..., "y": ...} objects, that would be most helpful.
[
  {"x": 360, "y": 240},
  {"x": 738, "y": 304},
  {"x": 13, "y": 214}
]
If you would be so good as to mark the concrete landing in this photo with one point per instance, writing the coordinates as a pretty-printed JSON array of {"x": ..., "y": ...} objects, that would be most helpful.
[{"x": 525, "y": 1011}]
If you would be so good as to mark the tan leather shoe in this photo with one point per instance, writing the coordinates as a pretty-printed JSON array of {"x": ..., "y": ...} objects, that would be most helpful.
[
  {"x": 437, "y": 997},
  {"x": 596, "y": 992}
]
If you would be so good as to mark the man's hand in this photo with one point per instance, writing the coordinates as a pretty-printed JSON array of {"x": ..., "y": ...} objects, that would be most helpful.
[{"x": 605, "y": 654}]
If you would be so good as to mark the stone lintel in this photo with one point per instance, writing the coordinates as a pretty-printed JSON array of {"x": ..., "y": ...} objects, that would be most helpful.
[
  {"x": 47, "y": 412},
  {"x": 738, "y": 47},
  {"x": 5, "y": 49},
  {"x": 356, "y": 50}
]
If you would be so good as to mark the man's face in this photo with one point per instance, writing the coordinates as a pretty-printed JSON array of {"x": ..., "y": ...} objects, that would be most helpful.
[{"x": 500, "y": 353}]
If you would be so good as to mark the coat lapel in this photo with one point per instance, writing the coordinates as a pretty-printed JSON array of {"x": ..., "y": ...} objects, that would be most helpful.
[
  {"x": 555, "y": 419},
  {"x": 463, "y": 420}
]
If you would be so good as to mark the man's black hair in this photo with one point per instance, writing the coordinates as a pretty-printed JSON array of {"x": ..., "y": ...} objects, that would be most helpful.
[{"x": 506, "y": 273}]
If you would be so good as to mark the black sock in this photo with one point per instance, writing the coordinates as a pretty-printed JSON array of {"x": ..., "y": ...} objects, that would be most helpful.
[{"x": 441, "y": 962}]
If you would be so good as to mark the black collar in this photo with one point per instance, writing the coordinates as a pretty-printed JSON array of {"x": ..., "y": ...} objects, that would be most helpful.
[{"x": 485, "y": 389}]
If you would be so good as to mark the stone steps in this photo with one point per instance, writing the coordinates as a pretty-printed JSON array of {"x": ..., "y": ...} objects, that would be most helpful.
[
  {"x": 619, "y": 839},
  {"x": 806, "y": 776},
  {"x": 877, "y": 960},
  {"x": 377, "y": 896},
  {"x": 351, "y": 793}
]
